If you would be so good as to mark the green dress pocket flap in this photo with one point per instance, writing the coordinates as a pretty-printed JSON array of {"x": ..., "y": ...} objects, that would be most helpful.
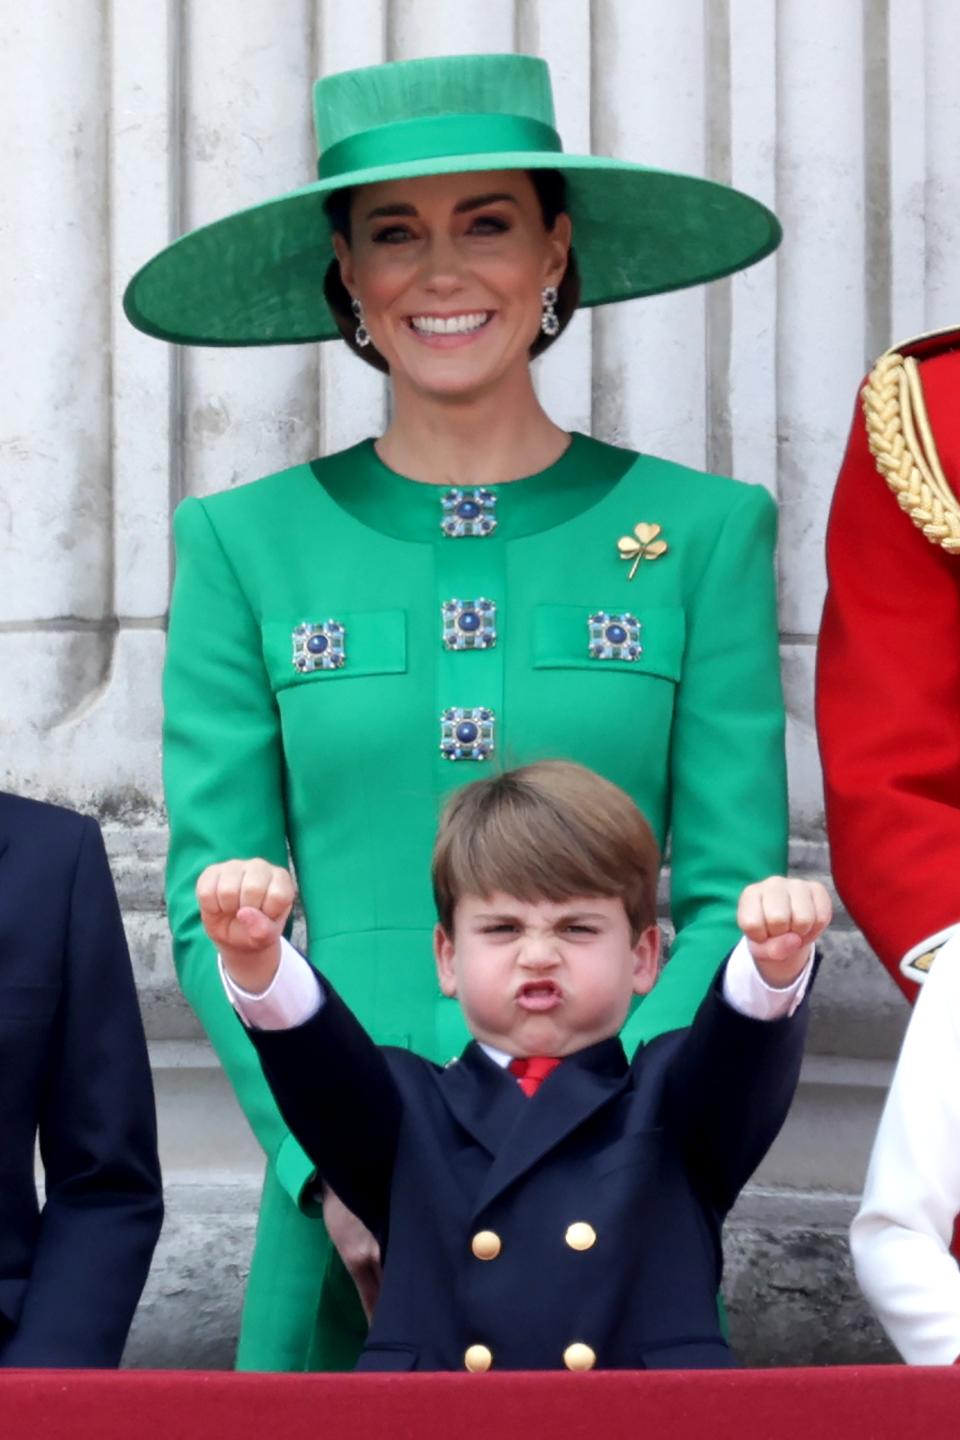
[
  {"x": 374, "y": 643},
  {"x": 561, "y": 640}
]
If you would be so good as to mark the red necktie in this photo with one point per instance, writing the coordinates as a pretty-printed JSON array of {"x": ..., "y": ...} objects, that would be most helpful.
[{"x": 532, "y": 1071}]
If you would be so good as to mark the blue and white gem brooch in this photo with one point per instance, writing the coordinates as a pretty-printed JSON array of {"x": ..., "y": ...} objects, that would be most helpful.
[
  {"x": 469, "y": 624},
  {"x": 467, "y": 734},
  {"x": 468, "y": 512},
  {"x": 319, "y": 647},
  {"x": 614, "y": 636}
]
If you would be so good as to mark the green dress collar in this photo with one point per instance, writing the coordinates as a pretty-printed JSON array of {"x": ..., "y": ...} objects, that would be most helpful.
[{"x": 360, "y": 483}]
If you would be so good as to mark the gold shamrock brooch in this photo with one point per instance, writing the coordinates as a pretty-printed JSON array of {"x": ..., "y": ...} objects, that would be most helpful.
[{"x": 641, "y": 545}]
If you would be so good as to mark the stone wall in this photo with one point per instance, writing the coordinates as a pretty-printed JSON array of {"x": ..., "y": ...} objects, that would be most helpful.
[{"x": 128, "y": 121}]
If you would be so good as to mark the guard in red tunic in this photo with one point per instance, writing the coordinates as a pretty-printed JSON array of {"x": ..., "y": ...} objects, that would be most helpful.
[
  {"x": 888, "y": 713},
  {"x": 888, "y": 701}
]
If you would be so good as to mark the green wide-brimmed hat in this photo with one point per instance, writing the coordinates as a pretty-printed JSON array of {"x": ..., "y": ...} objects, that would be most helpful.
[{"x": 256, "y": 277}]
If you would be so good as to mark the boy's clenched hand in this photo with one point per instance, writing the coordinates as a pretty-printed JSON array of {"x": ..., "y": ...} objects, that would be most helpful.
[
  {"x": 782, "y": 919},
  {"x": 244, "y": 905}
]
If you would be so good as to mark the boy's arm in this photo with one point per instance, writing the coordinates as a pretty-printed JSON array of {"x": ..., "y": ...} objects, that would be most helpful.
[
  {"x": 731, "y": 1082},
  {"x": 729, "y": 1089},
  {"x": 746, "y": 990},
  {"x": 330, "y": 1081},
  {"x": 335, "y": 1091},
  {"x": 292, "y": 997},
  {"x": 901, "y": 1238}
]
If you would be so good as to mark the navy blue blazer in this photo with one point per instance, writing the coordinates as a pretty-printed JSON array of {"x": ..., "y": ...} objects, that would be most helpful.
[
  {"x": 73, "y": 1070},
  {"x": 645, "y": 1159}
]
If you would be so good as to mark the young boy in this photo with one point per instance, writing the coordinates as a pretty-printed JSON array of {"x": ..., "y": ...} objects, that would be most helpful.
[{"x": 572, "y": 1219}]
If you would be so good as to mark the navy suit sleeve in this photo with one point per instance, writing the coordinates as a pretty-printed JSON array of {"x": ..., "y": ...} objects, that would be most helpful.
[
  {"x": 729, "y": 1088},
  {"x": 98, "y": 1144},
  {"x": 337, "y": 1094}
]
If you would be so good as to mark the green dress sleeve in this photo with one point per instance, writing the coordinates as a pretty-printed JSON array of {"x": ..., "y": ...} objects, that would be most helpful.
[
  {"x": 223, "y": 779},
  {"x": 728, "y": 822}
]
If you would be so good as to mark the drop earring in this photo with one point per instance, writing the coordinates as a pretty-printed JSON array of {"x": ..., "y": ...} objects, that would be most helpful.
[
  {"x": 549, "y": 323},
  {"x": 361, "y": 335}
]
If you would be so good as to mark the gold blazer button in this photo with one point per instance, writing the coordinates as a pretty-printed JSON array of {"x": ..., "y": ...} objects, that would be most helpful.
[
  {"x": 578, "y": 1356},
  {"x": 486, "y": 1245},
  {"x": 580, "y": 1235},
  {"x": 478, "y": 1358}
]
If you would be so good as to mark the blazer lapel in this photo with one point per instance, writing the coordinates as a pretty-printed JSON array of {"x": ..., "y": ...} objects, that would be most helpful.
[
  {"x": 484, "y": 1098},
  {"x": 575, "y": 1091}
]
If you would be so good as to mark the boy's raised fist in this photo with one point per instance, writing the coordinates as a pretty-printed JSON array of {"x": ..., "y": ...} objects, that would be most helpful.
[
  {"x": 782, "y": 919},
  {"x": 244, "y": 905}
]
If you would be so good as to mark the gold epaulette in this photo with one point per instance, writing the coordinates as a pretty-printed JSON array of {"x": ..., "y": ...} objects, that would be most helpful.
[{"x": 901, "y": 438}]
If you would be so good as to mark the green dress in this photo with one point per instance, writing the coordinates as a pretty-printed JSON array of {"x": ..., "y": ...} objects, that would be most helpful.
[{"x": 316, "y": 698}]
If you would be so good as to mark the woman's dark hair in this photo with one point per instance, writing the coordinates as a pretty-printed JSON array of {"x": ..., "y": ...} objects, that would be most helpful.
[{"x": 551, "y": 188}]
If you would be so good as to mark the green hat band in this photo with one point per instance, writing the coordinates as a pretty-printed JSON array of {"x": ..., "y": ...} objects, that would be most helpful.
[{"x": 430, "y": 137}]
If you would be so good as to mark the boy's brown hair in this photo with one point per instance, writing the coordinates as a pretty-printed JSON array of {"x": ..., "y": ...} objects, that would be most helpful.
[{"x": 548, "y": 831}]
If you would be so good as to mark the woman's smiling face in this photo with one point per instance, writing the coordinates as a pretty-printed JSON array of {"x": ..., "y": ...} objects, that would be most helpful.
[{"x": 449, "y": 270}]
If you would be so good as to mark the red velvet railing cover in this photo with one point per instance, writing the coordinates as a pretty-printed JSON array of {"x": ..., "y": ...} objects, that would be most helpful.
[{"x": 874, "y": 1403}]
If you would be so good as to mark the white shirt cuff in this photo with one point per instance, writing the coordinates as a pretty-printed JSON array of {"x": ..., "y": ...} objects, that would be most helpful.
[
  {"x": 745, "y": 989},
  {"x": 293, "y": 996}
]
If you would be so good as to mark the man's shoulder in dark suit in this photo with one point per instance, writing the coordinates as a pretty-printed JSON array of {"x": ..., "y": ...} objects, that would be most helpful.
[{"x": 75, "y": 1074}]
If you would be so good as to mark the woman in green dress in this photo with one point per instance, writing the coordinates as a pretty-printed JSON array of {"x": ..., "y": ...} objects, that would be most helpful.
[{"x": 351, "y": 638}]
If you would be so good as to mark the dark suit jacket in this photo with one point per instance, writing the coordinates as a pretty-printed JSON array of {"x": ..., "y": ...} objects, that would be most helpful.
[
  {"x": 73, "y": 1069},
  {"x": 651, "y": 1154}
]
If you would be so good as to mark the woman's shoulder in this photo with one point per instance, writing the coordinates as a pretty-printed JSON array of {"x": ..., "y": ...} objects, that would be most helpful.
[
  {"x": 700, "y": 490},
  {"x": 269, "y": 500}
]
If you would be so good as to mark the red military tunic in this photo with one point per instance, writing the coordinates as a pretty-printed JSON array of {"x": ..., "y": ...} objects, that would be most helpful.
[{"x": 888, "y": 684}]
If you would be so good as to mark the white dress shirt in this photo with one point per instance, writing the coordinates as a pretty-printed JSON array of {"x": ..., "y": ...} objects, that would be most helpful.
[
  {"x": 901, "y": 1237},
  {"x": 294, "y": 994}
]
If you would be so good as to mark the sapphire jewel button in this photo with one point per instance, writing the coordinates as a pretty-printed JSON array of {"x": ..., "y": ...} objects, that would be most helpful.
[
  {"x": 467, "y": 733},
  {"x": 468, "y": 624},
  {"x": 319, "y": 646},
  {"x": 468, "y": 512},
  {"x": 613, "y": 636}
]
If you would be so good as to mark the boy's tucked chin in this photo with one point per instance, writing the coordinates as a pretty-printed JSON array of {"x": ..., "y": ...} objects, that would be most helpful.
[{"x": 541, "y": 1041}]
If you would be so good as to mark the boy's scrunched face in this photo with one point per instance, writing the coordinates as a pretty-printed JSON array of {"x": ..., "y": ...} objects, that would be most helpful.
[{"x": 544, "y": 977}]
